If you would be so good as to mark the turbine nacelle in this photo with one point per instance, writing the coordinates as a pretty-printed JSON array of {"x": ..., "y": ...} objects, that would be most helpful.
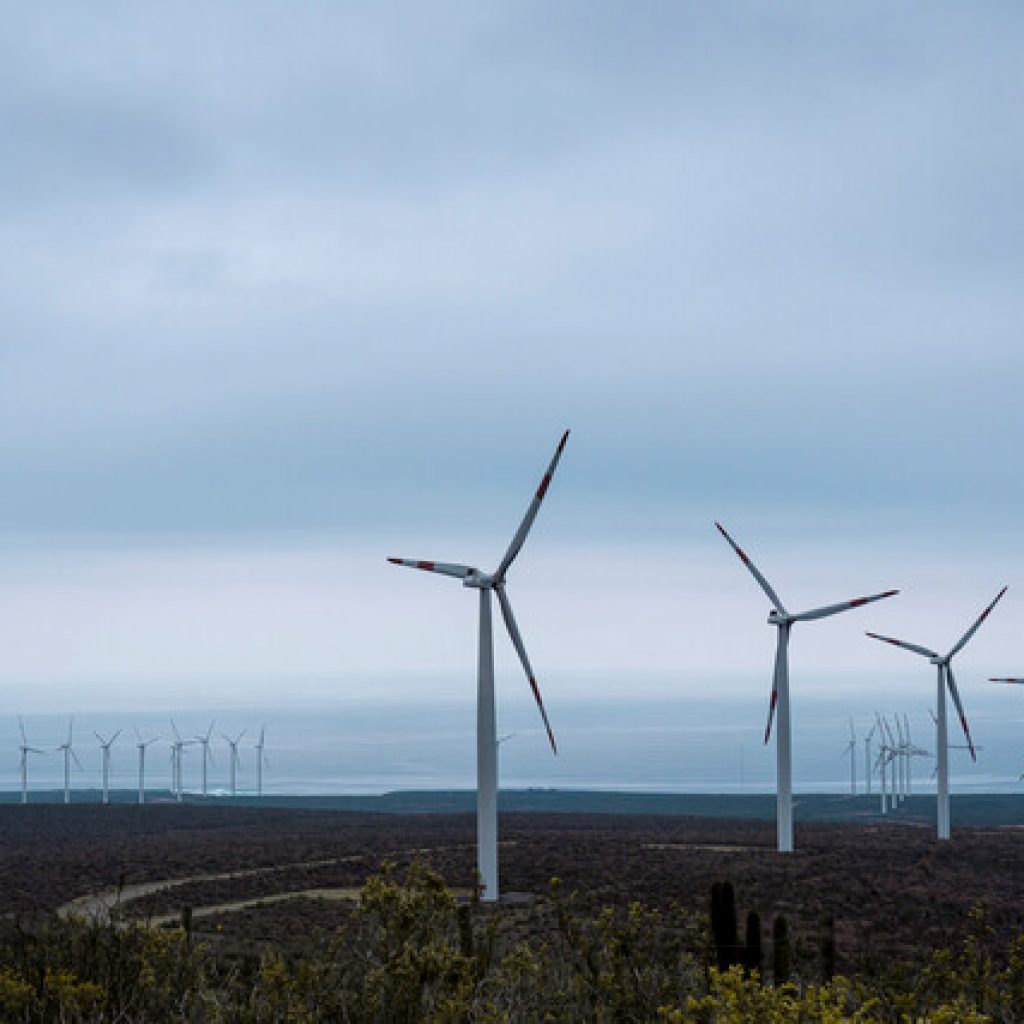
[{"x": 478, "y": 580}]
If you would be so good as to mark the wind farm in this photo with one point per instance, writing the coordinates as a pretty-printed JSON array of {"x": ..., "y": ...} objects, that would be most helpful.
[{"x": 300, "y": 299}]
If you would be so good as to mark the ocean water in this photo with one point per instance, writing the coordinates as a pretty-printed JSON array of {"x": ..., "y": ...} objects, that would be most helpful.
[{"x": 684, "y": 746}]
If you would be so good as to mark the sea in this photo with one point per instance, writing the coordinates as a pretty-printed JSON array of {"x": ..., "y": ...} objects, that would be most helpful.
[{"x": 653, "y": 745}]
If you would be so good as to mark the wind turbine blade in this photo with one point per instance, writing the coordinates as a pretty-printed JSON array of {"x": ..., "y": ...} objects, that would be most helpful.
[
  {"x": 843, "y": 606},
  {"x": 177, "y": 735},
  {"x": 444, "y": 568},
  {"x": 74, "y": 757},
  {"x": 951, "y": 683},
  {"x": 114, "y": 737},
  {"x": 21, "y": 726},
  {"x": 103, "y": 742},
  {"x": 974, "y": 629},
  {"x": 263, "y": 733},
  {"x": 755, "y": 572},
  {"x": 775, "y": 688},
  {"x": 517, "y": 643},
  {"x": 993, "y": 679},
  {"x": 923, "y": 651},
  {"x": 531, "y": 513}
]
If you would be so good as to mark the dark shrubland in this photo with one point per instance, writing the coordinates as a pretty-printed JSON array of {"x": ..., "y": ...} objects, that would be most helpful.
[{"x": 409, "y": 950}]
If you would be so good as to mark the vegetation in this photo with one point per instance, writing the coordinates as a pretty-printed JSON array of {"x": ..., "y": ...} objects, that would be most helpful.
[{"x": 410, "y": 951}]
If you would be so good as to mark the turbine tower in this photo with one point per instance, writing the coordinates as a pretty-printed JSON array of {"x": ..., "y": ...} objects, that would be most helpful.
[
  {"x": 69, "y": 753},
  {"x": 233, "y": 744},
  {"x": 945, "y": 681},
  {"x": 142, "y": 744},
  {"x": 25, "y": 751},
  {"x": 177, "y": 749},
  {"x": 204, "y": 742},
  {"x": 784, "y": 620},
  {"x": 851, "y": 749},
  {"x": 867, "y": 759},
  {"x": 486, "y": 726},
  {"x": 261, "y": 760},
  {"x": 105, "y": 746}
]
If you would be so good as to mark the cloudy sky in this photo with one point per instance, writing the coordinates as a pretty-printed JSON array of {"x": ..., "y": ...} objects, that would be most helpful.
[{"x": 288, "y": 288}]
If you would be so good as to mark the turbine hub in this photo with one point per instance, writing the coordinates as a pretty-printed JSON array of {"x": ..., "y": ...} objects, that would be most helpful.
[
  {"x": 478, "y": 580},
  {"x": 776, "y": 618}
]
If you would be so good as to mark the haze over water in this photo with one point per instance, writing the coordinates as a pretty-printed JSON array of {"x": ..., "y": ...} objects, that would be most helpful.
[{"x": 683, "y": 745}]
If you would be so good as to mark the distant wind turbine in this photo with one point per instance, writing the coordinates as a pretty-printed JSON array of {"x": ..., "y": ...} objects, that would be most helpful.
[
  {"x": 105, "y": 746},
  {"x": 142, "y": 744},
  {"x": 486, "y": 728},
  {"x": 25, "y": 751},
  {"x": 867, "y": 758},
  {"x": 69, "y": 753},
  {"x": 233, "y": 744},
  {"x": 851, "y": 749},
  {"x": 261, "y": 760},
  {"x": 943, "y": 664},
  {"x": 783, "y": 620},
  {"x": 177, "y": 750},
  {"x": 204, "y": 742}
]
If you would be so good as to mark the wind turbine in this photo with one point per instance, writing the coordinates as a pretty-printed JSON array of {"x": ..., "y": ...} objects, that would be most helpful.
[
  {"x": 105, "y": 746},
  {"x": 894, "y": 752},
  {"x": 867, "y": 758},
  {"x": 261, "y": 760},
  {"x": 783, "y": 620},
  {"x": 233, "y": 744},
  {"x": 486, "y": 727},
  {"x": 204, "y": 742},
  {"x": 851, "y": 749},
  {"x": 884, "y": 756},
  {"x": 25, "y": 751},
  {"x": 177, "y": 749},
  {"x": 912, "y": 752},
  {"x": 901, "y": 760},
  {"x": 142, "y": 744},
  {"x": 68, "y": 754},
  {"x": 944, "y": 669}
]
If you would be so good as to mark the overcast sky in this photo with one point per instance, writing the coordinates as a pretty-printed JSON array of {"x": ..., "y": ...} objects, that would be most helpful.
[{"x": 288, "y": 288}]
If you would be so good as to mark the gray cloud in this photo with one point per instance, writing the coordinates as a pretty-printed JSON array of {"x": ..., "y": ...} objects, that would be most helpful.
[{"x": 328, "y": 266}]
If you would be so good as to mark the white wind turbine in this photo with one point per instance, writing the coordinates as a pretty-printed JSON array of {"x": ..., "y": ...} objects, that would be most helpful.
[
  {"x": 69, "y": 753},
  {"x": 204, "y": 742},
  {"x": 142, "y": 744},
  {"x": 105, "y": 746},
  {"x": 486, "y": 727},
  {"x": 177, "y": 750},
  {"x": 898, "y": 764},
  {"x": 261, "y": 760},
  {"x": 783, "y": 620},
  {"x": 884, "y": 755},
  {"x": 25, "y": 751},
  {"x": 946, "y": 681},
  {"x": 233, "y": 744},
  {"x": 851, "y": 749},
  {"x": 867, "y": 758}
]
